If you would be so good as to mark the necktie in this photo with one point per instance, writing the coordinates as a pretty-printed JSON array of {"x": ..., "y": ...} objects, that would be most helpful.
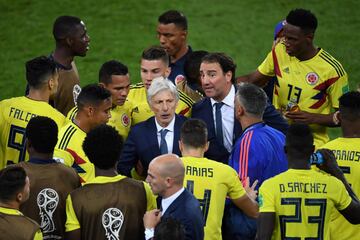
[
  {"x": 163, "y": 144},
  {"x": 218, "y": 121}
]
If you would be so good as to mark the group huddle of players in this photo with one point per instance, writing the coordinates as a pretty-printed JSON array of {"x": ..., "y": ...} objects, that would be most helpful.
[{"x": 56, "y": 140}]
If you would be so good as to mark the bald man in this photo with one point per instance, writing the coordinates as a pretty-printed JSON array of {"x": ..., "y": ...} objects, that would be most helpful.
[{"x": 166, "y": 176}]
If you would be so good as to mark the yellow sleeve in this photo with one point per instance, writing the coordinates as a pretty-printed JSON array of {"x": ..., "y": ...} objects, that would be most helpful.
[
  {"x": 343, "y": 197},
  {"x": 38, "y": 235},
  {"x": 64, "y": 157},
  {"x": 184, "y": 105},
  {"x": 236, "y": 190},
  {"x": 267, "y": 66},
  {"x": 150, "y": 197},
  {"x": 340, "y": 87},
  {"x": 266, "y": 198},
  {"x": 72, "y": 223}
]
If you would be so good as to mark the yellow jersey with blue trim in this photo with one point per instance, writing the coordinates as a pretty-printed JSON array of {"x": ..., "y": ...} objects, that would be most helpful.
[
  {"x": 303, "y": 201},
  {"x": 211, "y": 182},
  {"x": 347, "y": 154},
  {"x": 141, "y": 110},
  {"x": 69, "y": 151},
  {"x": 314, "y": 84},
  {"x": 15, "y": 114}
]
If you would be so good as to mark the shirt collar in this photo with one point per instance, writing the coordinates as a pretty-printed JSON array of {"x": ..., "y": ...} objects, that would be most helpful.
[
  {"x": 104, "y": 179},
  {"x": 10, "y": 211},
  {"x": 42, "y": 161},
  {"x": 169, "y": 127},
  {"x": 228, "y": 100},
  {"x": 166, "y": 202}
]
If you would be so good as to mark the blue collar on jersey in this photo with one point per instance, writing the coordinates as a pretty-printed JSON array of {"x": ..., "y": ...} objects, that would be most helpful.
[{"x": 41, "y": 161}]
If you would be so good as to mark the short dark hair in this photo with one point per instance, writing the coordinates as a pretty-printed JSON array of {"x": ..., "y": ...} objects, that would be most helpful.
[
  {"x": 42, "y": 132},
  {"x": 39, "y": 70},
  {"x": 299, "y": 137},
  {"x": 169, "y": 228},
  {"x": 194, "y": 133},
  {"x": 92, "y": 94},
  {"x": 192, "y": 66},
  {"x": 349, "y": 105},
  {"x": 303, "y": 19},
  {"x": 226, "y": 63},
  {"x": 156, "y": 53},
  {"x": 252, "y": 98},
  {"x": 103, "y": 145},
  {"x": 175, "y": 17},
  {"x": 12, "y": 181},
  {"x": 109, "y": 68},
  {"x": 64, "y": 26}
]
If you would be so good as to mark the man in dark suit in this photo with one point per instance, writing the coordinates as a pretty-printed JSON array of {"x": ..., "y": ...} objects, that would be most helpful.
[
  {"x": 166, "y": 176},
  {"x": 157, "y": 135},
  {"x": 217, "y": 72}
]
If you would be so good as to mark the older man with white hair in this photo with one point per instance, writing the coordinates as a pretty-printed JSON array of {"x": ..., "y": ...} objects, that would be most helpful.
[{"x": 156, "y": 136}]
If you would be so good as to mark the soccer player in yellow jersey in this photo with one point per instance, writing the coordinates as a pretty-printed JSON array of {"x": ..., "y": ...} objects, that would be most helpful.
[
  {"x": 154, "y": 63},
  {"x": 211, "y": 181},
  {"x": 347, "y": 153},
  {"x": 15, "y": 190},
  {"x": 114, "y": 76},
  {"x": 306, "y": 75},
  {"x": 110, "y": 206},
  {"x": 94, "y": 104},
  {"x": 298, "y": 203},
  {"x": 15, "y": 113}
]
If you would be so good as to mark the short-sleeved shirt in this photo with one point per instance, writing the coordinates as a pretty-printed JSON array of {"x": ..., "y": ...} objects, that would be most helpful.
[
  {"x": 15, "y": 226},
  {"x": 120, "y": 118},
  {"x": 109, "y": 208},
  {"x": 302, "y": 201},
  {"x": 347, "y": 154},
  {"x": 211, "y": 182},
  {"x": 15, "y": 114},
  {"x": 259, "y": 153},
  {"x": 141, "y": 110},
  {"x": 315, "y": 84},
  {"x": 69, "y": 151}
]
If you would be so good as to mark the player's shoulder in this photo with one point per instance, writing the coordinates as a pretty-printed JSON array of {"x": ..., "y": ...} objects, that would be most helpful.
[
  {"x": 136, "y": 86},
  {"x": 332, "y": 63},
  {"x": 72, "y": 113},
  {"x": 185, "y": 98}
]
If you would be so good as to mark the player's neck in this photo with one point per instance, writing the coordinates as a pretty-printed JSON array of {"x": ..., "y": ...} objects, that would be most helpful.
[
  {"x": 81, "y": 121},
  {"x": 63, "y": 56},
  {"x": 351, "y": 130},
  {"x": 308, "y": 54},
  {"x": 247, "y": 121},
  {"x": 180, "y": 53},
  {"x": 38, "y": 95},
  {"x": 12, "y": 205},
  {"x": 105, "y": 173},
  {"x": 198, "y": 153},
  {"x": 42, "y": 156}
]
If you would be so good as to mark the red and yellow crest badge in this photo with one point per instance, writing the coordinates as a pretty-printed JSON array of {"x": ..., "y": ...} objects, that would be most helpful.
[
  {"x": 125, "y": 120},
  {"x": 312, "y": 78}
]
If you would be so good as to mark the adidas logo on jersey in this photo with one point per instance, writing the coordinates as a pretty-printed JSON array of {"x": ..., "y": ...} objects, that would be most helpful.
[{"x": 286, "y": 70}]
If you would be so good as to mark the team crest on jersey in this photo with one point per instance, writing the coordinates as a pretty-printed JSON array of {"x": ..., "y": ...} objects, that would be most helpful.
[
  {"x": 312, "y": 78},
  {"x": 179, "y": 78},
  {"x": 125, "y": 120},
  {"x": 112, "y": 220}
]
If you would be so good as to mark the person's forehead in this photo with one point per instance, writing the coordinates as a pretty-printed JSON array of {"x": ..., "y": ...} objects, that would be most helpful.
[
  {"x": 164, "y": 95},
  {"x": 167, "y": 28},
  {"x": 120, "y": 79},
  {"x": 152, "y": 64},
  {"x": 210, "y": 66},
  {"x": 292, "y": 29}
]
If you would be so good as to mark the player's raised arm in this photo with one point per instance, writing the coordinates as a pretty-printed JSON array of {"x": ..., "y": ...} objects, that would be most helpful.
[{"x": 255, "y": 77}]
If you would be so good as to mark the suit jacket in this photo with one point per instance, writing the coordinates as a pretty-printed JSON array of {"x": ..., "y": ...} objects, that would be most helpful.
[
  {"x": 186, "y": 210},
  {"x": 142, "y": 144},
  {"x": 204, "y": 111}
]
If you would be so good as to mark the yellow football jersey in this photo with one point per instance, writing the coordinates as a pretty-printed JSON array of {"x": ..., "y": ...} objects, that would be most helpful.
[
  {"x": 69, "y": 151},
  {"x": 347, "y": 153},
  {"x": 120, "y": 118},
  {"x": 315, "y": 84},
  {"x": 15, "y": 113},
  {"x": 302, "y": 201},
  {"x": 211, "y": 182},
  {"x": 141, "y": 110}
]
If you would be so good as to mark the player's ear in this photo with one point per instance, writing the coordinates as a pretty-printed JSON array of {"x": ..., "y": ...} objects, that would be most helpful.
[
  {"x": 228, "y": 76},
  {"x": 167, "y": 72},
  {"x": 181, "y": 146},
  {"x": 102, "y": 84},
  {"x": 207, "y": 146}
]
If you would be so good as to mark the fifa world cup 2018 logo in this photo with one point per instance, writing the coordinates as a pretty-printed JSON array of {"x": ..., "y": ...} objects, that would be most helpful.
[
  {"x": 47, "y": 201},
  {"x": 112, "y": 220}
]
